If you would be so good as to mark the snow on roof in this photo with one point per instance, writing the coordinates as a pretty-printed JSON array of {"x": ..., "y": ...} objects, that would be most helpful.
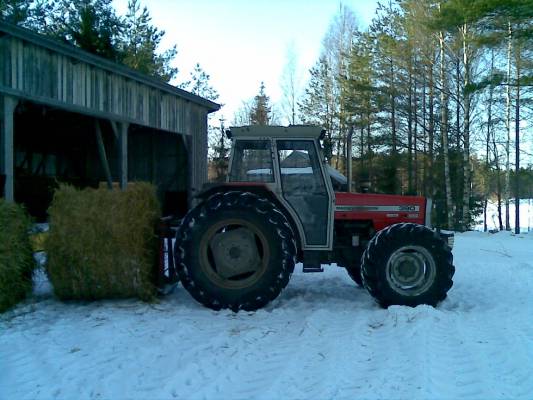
[
  {"x": 333, "y": 173},
  {"x": 336, "y": 174}
]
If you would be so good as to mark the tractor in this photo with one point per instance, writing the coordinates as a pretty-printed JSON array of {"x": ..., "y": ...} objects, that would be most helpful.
[{"x": 238, "y": 247}]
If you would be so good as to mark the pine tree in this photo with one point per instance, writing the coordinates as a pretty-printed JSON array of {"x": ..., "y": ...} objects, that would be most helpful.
[
  {"x": 260, "y": 114},
  {"x": 140, "y": 41},
  {"x": 200, "y": 84},
  {"x": 15, "y": 11},
  {"x": 220, "y": 147},
  {"x": 317, "y": 104},
  {"x": 92, "y": 25}
]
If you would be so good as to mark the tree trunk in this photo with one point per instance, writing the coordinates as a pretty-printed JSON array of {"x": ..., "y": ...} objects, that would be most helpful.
[
  {"x": 506, "y": 194},
  {"x": 498, "y": 181},
  {"x": 415, "y": 134},
  {"x": 459, "y": 167},
  {"x": 444, "y": 135},
  {"x": 466, "y": 133},
  {"x": 369, "y": 149},
  {"x": 424, "y": 130},
  {"x": 517, "y": 143},
  {"x": 349, "y": 159},
  {"x": 393, "y": 127},
  {"x": 431, "y": 134},
  {"x": 410, "y": 133}
]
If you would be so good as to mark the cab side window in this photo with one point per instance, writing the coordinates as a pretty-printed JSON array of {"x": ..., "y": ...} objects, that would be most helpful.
[{"x": 252, "y": 161}]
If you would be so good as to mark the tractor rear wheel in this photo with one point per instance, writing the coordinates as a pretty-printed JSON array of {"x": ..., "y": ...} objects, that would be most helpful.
[
  {"x": 235, "y": 250},
  {"x": 407, "y": 264}
]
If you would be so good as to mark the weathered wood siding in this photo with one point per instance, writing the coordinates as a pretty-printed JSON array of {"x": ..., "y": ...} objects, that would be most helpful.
[
  {"x": 40, "y": 70},
  {"x": 197, "y": 150},
  {"x": 39, "y": 74}
]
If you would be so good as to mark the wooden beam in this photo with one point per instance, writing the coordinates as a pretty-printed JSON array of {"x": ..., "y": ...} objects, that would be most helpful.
[
  {"x": 115, "y": 128},
  {"x": 123, "y": 156},
  {"x": 7, "y": 109},
  {"x": 103, "y": 156}
]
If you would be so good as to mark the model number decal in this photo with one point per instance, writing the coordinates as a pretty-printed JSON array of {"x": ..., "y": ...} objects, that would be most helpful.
[
  {"x": 378, "y": 208},
  {"x": 409, "y": 208}
]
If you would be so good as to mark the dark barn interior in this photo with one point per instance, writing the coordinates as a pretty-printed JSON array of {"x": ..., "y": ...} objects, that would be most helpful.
[{"x": 52, "y": 146}]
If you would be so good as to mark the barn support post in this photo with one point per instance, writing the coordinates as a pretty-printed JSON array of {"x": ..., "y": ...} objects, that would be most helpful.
[
  {"x": 123, "y": 149},
  {"x": 120, "y": 130},
  {"x": 102, "y": 153},
  {"x": 190, "y": 167},
  {"x": 7, "y": 109}
]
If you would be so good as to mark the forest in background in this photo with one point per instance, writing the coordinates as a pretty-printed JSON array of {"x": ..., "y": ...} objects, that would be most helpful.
[{"x": 433, "y": 98}]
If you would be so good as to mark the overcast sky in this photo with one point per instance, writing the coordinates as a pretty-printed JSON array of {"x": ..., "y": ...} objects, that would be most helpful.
[{"x": 243, "y": 42}]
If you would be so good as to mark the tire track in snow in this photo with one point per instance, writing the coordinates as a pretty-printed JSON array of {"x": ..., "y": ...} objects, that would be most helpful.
[
  {"x": 263, "y": 358},
  {"x": 320, "y": 341},
  {"x": 304, "y": 342},
  {"x": 510, "y": 357},
  {"x": 320, "y": 367},
  {"x": 454, "y": 369},
  {"x": 394, "y": 352}
]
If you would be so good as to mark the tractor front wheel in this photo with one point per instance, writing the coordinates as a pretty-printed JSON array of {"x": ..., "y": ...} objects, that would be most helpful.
[
  {"x": 235, "y": 250},
  {"x": 407, "y": 264}
]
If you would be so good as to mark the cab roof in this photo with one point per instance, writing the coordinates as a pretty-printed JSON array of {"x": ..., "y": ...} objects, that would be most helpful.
[{"x": 269, "y": 131}]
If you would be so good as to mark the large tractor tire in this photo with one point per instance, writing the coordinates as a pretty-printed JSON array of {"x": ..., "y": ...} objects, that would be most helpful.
[
  {"x": 407, "y": 264},
  {"x": 235, "y": 250}
]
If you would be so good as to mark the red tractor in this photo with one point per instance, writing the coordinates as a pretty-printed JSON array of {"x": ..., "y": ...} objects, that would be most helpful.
[{"x": 238, "y": 247}]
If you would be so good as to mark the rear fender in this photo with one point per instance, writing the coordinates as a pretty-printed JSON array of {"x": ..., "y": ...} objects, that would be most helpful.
[{"x": 260, "y": 189}]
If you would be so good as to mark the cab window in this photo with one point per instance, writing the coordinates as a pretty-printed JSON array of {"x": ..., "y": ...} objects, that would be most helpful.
[{"x": 252, "y": 161}]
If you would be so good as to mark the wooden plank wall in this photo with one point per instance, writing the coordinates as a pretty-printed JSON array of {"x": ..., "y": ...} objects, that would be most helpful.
[
  {"x": 37, "y": 73},
  {"x": 197, "y": 151}
]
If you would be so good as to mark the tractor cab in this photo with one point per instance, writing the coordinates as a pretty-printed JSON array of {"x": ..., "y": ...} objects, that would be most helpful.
[{"x": 290, "y": 163}]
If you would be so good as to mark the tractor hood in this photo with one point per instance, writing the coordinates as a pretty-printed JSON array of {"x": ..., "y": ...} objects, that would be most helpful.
[{"x": 382, "y": 209}]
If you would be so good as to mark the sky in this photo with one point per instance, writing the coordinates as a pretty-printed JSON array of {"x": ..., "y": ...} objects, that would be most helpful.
[{"x": 241, "y": 43}]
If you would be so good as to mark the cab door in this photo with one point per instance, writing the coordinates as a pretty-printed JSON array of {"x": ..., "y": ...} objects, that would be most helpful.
[{"x": 305, "y": 188}]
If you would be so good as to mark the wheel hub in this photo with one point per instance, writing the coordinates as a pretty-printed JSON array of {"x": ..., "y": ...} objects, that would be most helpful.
[
  {"x": 410, "y": 270},
  {"x": 235, "y": 253}
]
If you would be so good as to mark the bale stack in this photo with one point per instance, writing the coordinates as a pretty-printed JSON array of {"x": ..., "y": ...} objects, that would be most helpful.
[
  {"x": 102, "y": 243},
  {"x": 16, "y": 258}
]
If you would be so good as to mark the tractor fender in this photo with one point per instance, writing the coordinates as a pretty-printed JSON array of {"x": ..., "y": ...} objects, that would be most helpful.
[{"x": 259, "y": 189}]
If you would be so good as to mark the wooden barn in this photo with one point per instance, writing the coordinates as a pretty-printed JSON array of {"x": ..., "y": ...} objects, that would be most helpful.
[{"x": 69, "y": 116}]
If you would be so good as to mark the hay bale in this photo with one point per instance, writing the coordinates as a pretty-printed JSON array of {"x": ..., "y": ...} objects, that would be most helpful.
[
  {"x": 16, "y": 258},
  {"x": 102, "y": 243}
]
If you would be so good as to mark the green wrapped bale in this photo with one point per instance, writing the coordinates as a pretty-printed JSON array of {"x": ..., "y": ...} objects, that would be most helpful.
[
  {"x": 102, "y": 243},
  {"x": 16, "y": 257}
]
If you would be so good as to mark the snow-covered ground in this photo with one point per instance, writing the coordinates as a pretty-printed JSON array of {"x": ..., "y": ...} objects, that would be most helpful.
[
  {"x": 526, "y": 216},
  {"x": 322, "y": 338}
]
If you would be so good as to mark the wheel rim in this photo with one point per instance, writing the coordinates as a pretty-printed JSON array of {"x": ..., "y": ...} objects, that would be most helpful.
[
  {"x": 411, "y": 270},
  {"x": 234, "y": 254}
]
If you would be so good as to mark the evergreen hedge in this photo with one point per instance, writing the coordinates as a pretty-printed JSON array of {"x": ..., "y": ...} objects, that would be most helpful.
[
  {"x": 16, "y": 256},
  {"x": 102, "y": 243}
]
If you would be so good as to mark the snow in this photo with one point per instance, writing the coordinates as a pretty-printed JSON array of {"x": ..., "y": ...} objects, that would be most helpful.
[
  {"x": 322, "y": 338},
  {"x": 336, "y": 174},
  {"x": 284, "y": 171},
  {"x": 300, "y": 171},
  {"x": 526, "y": 216}
]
